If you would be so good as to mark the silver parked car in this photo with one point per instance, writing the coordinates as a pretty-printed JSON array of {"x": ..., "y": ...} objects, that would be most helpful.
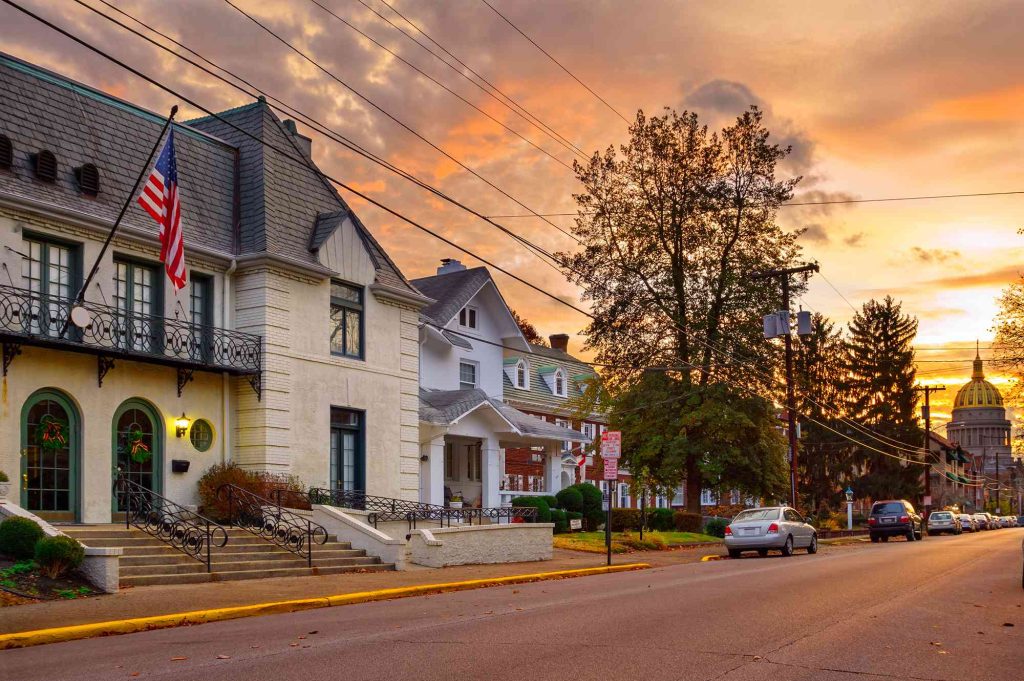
[
  {"x": 968, "y": 523},
  {"x": 943, "y": 521},
  {"x": 775, "y": 528}
]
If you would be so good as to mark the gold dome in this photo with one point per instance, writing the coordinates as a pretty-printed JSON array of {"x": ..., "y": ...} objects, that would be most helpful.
[{"x": 979, "y": 392}]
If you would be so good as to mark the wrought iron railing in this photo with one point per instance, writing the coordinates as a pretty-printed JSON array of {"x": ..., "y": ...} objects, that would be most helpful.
[
  {"x": 44, "y": 318},
  {"x": 169, "y": 522},
  {"x": 271, "y": 521},
  {"x": 386, "y": 509}
]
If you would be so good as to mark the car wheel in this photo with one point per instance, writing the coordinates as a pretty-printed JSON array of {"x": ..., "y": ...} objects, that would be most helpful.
[
  {"x": 762, "y": 552},
  {"x": 874, "y": 539},
  {"x": 813, "y": 546},
  {"x": 734, "y": 553},
  {"x": 885, "y": 538},
  {"x": 787, "y": 548},
  {"x": 911, "y": 535},
  {"x": 920, "y": 535}
]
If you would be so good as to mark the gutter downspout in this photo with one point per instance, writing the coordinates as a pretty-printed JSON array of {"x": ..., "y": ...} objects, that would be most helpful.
[{"x": 225, "y": 437}]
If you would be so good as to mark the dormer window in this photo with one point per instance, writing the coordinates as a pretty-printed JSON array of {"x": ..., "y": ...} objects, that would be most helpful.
[
  {"x": 467, "y": 317},
  {"x": 522, "y": 375},
  {"x": 559, "y": 388}
]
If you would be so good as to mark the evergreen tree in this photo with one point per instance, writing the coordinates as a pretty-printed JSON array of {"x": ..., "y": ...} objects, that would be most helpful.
[
  {"x": 826, "y": 459},
  {"x": 879, "y": 388}
]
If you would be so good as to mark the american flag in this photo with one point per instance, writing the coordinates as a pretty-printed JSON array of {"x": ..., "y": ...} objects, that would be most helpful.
[{"x": 160, "y": 199}]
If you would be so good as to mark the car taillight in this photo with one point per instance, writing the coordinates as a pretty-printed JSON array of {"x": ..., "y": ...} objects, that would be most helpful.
[
  {"x": 728, "y": 529},
  {"x": 872, "y": 521},
  {"x": 773, "y": 529},
  {"x": 904, "y": 519}
]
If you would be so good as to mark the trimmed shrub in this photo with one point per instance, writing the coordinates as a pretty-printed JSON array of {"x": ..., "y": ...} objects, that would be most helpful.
[
  {"x": 18, "y": 537},
  {"x": 543, "y": 510},
  {"x": 570, "y": 499},
  {"x": 650, "y": 542},
  {"x": 560, "y": 521},
  {"x": 660, "y": 519},
  {"x": 624, "y": 519},
  {"x": 260, "y": 483},
  {"x": 552, "y": 502},
  {"x": 716, "y": 527},
  {"x": 687, "y": 522},
  {"x": 57, "y": 556},
  {"x": 592, "y": 511}
]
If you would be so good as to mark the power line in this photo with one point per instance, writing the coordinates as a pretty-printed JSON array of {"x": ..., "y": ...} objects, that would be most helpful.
[
  {"x": 508, "y": 102},
  {"x": 558, "y": 63},
  {"x": 442, "y": 85},
  {"x": 397, "y": 120}
]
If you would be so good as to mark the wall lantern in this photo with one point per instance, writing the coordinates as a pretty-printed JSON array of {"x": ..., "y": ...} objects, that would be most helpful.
[
  {"x": 849, "y": 494},
  {"x": 181, "y": 425}
]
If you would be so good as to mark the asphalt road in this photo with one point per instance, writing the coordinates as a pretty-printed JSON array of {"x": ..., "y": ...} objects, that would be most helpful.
[{"x": 937, "y": 609}]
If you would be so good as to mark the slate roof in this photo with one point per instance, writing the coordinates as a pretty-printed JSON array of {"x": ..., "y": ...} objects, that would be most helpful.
[
  {"x": 444, "y": 407},
  {"x": 450, "y": 292},
  {"x": 42, "y": 110},
  {"x": 545, "y": 360},
  {"x": 286, "y": 208}
]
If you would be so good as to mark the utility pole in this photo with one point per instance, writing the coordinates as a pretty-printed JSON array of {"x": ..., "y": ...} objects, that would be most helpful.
[
  {"x": 783, "y": 276},
  {"x": 926, "y": 411}
]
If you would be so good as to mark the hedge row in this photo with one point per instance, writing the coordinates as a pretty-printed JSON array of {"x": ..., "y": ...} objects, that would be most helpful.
[
  {"x": 662, "y": 519},
  {"x": 582, "y": 501}
]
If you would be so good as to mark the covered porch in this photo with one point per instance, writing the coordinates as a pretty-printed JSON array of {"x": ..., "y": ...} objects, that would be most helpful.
[{"x": 463, "y": 437}]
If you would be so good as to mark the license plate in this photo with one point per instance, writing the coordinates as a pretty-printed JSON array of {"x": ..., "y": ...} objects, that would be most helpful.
[
  {"x": 888, "y": 520},
  {"x": 749, "y": 530}
]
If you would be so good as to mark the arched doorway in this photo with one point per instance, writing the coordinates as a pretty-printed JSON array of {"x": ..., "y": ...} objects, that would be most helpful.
[
  {"x": 138, "y": 445},
  {"x": 51, "y": 442}
]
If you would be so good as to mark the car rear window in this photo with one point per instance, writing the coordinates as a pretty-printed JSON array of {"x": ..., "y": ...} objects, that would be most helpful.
[
  {"x": 893, "y": 507},
  {"x": 757, "y": 514},
  {"x": 941, "y": 516}
]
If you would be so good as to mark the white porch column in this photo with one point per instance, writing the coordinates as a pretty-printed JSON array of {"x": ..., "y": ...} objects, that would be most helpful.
[
  {"x": 432, "y": 471},
  {"x": 552, "y": 467},
  {"x": 491, "y": 472}
]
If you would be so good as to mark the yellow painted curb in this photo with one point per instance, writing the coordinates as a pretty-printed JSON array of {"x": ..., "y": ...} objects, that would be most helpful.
[
  {"x": 705, "y": 559},
  {"x": 25, "y": 639}
]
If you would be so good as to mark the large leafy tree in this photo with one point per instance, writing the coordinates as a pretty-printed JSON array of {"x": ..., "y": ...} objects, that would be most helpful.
[
  {"x": 879, "y": 387},
  {"x": 672, "y": 225},
  {"x": 827, "y": 457},
  {"x": 666, "y": 422}
]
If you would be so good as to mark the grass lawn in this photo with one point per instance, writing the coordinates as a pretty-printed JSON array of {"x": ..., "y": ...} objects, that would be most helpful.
[{"x": 624, "y": 542}]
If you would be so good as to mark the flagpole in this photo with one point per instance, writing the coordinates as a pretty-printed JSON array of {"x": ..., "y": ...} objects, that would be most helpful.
[{"x": 80, "y": 296}]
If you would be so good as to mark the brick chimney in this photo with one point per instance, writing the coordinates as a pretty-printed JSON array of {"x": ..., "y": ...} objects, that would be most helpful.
[{"x": 559, "y": 341}]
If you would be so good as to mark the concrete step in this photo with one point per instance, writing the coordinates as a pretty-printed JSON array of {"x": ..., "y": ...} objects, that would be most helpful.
[
  {"x": 233, "y": 575},
  {"x": 191, "y": 567},
  {"x": 150, "y": 580}
]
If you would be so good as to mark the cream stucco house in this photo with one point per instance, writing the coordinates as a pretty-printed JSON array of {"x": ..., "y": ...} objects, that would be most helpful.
[
  {"x": 465, "y": 423},
  {"x": 293, "y": 349}
]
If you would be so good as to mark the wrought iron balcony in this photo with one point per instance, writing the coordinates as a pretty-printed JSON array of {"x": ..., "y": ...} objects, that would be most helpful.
[{"x": 31, "y": 318}]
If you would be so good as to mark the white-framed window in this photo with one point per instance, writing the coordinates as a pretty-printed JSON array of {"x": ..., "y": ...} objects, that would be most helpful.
[
  {"x": 522, "y": 375},
  {"x": 467, "y": 317},
  {"x": 473, "y": 458},
  {"x": 662, "y": 501},
  {"x": 588, "y": 430},
  {"x": 467, "y": 374},
  {"x": 566, "y": 444},
  {"x": 451, "y": 470},
  {"x": 560, "y": 386},
  {"x": 707, "y": 498},
  {"x": 623, "y": 495},
  {"x": 679, "y": 497}
]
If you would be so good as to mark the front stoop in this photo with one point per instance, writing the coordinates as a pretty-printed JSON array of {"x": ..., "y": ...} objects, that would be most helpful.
[{"x": 146, "y": 560}]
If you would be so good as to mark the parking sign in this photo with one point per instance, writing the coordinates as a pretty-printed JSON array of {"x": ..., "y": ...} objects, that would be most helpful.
[{"x": 611, "y": 444}]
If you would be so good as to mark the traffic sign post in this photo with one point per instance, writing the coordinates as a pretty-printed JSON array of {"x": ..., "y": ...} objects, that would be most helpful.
[{"x": 611, "y": 450}]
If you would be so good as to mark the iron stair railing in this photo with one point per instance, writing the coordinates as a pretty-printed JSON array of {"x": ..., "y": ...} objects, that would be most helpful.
[
  {"x": 172, "y": 523},
  {"x": 271, "y": 521},
  {"x": 387, "y": 509}
]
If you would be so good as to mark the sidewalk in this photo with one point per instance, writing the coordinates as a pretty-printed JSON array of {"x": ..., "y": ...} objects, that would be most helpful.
[{"x": 165, "y": 600}]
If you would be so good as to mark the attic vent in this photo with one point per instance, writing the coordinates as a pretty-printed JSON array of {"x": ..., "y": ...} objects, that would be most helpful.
[
  {"x": 6, "y": 152},
  {"x": 88, "y": 179},
  {"x": 45, "y": 166}
]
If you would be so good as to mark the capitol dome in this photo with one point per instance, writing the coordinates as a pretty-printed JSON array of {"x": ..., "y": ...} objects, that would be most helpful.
[{"x": 979, "y": 392}]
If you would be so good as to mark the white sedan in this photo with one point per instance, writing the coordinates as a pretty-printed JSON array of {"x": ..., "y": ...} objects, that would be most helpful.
[{"x": 775, "y": 528}]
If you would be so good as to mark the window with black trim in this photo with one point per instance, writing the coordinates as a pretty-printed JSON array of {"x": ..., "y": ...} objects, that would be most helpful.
[
  {"x": 346, "y": 320},
  {"x": 467, "y": 317},
  {"x": 51, "y": 270},
  {"x": 138, "y": 296},
  {"x": 201, "y": 314}
]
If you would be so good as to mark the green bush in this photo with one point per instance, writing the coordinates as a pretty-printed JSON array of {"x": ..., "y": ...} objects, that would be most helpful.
[
  {"x": 552, "y": 502},
  {"x": 18, "y": 537},
  {"x": 543, "y": 510},
  {"x": 3, "y": 477},
  {"x": 716, "y": 527},
  {"x": 570, "y": 499},
  {"x": 687, "y": 522},
  {"x": 592, "y": 512},
  {"x": 660, "y": 519},
  {"x": 624, "y": 519},
  {"x": 558, "y": 517},
  {"x": 58, "y": 555}
]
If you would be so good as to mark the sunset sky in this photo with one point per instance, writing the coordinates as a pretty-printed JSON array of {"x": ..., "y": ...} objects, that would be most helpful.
[{"x": 878, "y": 100}]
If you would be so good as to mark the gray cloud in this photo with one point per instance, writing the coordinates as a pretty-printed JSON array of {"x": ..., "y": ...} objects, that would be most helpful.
[
  {"x": 854, "y": 240},
  {"x": 934, "y": 255},
  {"x": 816, "y": 233}
]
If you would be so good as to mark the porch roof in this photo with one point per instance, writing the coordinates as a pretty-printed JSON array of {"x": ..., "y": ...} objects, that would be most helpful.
[{"x": 447, "y": 407}]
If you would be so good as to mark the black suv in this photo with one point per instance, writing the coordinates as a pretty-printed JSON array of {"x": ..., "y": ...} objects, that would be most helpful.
[{"x": 895, "y": 519}]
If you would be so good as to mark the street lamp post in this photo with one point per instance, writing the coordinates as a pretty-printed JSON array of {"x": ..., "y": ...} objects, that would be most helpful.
[{"x": 849, "y": 508}]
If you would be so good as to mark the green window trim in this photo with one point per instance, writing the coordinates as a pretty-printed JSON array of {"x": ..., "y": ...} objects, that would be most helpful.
[
  {"x": 201, "y": 435},
  {"x": 347, "y": 320},
  {"x": 73, "y": 433}
]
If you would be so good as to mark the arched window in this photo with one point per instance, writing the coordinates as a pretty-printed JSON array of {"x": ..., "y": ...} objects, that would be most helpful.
[
  {"x": 560, "y": 383},
  {"x": 138, "y": 444},
  {"x": 51, "y": 455},
  {"x": 522, "y": 375}
]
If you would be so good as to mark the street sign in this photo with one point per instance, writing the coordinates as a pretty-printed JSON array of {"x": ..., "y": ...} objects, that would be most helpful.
[
  {"x": 575, "y": 524},
  {"x": 611, "y": 469},
  {"x": 611, "y": 444},
  {"x": 927, "y": 501}
]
